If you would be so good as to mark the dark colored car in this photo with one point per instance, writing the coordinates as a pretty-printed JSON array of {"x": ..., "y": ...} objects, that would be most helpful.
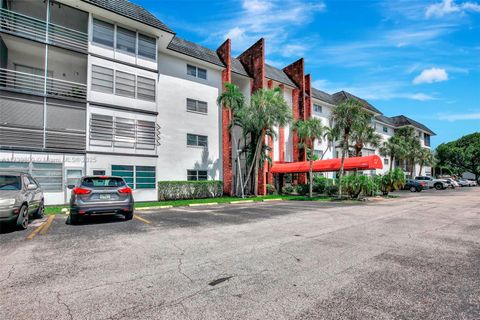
[
  {"x": 100, "y": 195},
  {"x": 414, "y": 185},
  {"x": 20, "y": 197}
]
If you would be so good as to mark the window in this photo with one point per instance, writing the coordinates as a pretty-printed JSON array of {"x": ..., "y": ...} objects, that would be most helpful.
[
  {"x": 126, "y": 40},
  {"x": 145, "y": 89},
  {"x": 197, "y": 140},
  {"x": 317, "y": 108},
  {"x": 98, "y": 172},
  {"x": 101, "y": 130},
  {"x": 426, "y": 139},
  {"x": 147, "y": 47},
  {"x": 102, "y": 79},
  {"x": 124, "y": 132},
  {"x": 197, "y": 106},
  {"x": 103, "y": 33},
  {"x": 125, "y": 84},
  {"x": 385, "y": 161},
  {"x": 146, "y": 131},
  {"x": 385, "y": 129},
  {"x": 145, "y": 177},
  {"x": 49, "y": 176},
  {"x": 196, "y": 72},
  {"x": 197, "y": 175},
  {"x": 126, "y": 172}
]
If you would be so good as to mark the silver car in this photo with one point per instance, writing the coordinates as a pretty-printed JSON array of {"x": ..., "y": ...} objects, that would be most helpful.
[
  {"x": 100, "y": 195},
  {"x": 20, "y": 197}
]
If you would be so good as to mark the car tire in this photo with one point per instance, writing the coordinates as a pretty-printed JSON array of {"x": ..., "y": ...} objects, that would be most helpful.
[
  {"x": 438, "y": 186},
  {"x": 129, "y": 215},
  {"x": 22, "y": 221},
  {"x": 73, "y": 219},
  {"x": 40, "y": 211},
  {"x": 413, "y": 189}
]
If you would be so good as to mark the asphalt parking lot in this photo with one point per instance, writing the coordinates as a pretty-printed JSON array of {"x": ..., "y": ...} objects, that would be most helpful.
[{"x": 414, "y": 257}]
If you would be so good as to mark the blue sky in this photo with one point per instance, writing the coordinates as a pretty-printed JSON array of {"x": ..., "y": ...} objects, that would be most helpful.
[{"x": 417, "y": 58}]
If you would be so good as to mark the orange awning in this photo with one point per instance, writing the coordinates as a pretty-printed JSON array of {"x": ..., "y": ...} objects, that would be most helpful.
[{"x": 361, "y": 163}]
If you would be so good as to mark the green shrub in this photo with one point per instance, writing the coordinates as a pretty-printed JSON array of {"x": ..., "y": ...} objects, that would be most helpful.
[
  {"x": 391, "y": 181},
  {"x": 288, "y": 189},
  {"x": 181, "y": 190},
  {"x": 270, "y": 189},
  {"x": 355, "y": 185},
  {"x": 331, "y": 190},
  {"x": 320, "y": 183},
  {"x": 302, "y": 189}
]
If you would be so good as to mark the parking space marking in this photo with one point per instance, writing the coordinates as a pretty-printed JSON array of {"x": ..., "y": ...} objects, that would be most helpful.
[
  {"x": 141, "y": 219},
  {"x": 47, "y": 224},
  {"x": 35, "y": 232}
]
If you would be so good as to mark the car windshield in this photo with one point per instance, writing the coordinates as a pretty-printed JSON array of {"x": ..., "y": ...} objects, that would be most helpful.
[
  {"x": 92, "y": 182},
  {"x": 10, "y": 182}
]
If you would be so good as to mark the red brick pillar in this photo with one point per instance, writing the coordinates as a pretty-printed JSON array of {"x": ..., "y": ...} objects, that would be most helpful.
[
  {"x": 224, "y": 52},
  {"x": 281, "y": 137},
  {"x": 271, "y": 145}
]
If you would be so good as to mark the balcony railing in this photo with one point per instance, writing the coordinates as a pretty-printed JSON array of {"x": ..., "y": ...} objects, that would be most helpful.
[
  {"x": 36, "y": 29},
  {"x": 31, "y": 83}
]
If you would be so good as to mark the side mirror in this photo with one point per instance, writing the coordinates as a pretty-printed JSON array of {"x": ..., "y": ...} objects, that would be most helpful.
[
  {"x": 31, "y": 186},
  {"x": 71, "y": 186}
]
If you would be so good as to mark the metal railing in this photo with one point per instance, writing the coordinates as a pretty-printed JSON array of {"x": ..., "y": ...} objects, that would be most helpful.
[
  {"x": 36, "y": 29},
  {"x": 31, "y": 83}
]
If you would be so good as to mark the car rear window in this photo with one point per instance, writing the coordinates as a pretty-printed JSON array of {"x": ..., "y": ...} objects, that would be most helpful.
[
  {"x": 103, "y": 182},
  {"x": 9, "y": 182}
]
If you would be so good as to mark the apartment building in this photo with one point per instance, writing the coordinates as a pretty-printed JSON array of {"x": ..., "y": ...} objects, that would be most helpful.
[{"x": 104, "y": 87}]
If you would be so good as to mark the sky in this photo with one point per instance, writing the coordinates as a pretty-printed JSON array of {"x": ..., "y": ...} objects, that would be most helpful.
[{"x": 411, "y": 57}]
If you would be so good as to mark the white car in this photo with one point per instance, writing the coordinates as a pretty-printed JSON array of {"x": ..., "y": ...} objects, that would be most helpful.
[
  {"x": 464, "y": 183},
  {"x": 452, "y": 183},
  {"x": 473, "y": 183},
  {"x": 438, "y": 184}
]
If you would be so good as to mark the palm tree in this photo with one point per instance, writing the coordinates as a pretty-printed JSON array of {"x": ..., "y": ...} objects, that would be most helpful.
[
  {"x": 233, "y": 100},
  {"x": 308, "y": 131},
  {"x": 394, "y": 148},
  {"x": 267, "y": 109},
  {"x": 426, "y": 158},
  {"x": 412, "y": 146},
  {"x": 347, "y": 117},
  {"x": 364, "y": 135},
  {"x": 331, "y": 135}
]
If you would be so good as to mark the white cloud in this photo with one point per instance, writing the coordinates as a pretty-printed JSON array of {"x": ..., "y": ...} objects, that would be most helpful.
[
  {"x": 431, "y": 75},
  {"x": 420, "y": 97},
  {"x": 447, "y": 7},
  {"x": 459, "y": 116},
  {"x": 256, "y": 6}
]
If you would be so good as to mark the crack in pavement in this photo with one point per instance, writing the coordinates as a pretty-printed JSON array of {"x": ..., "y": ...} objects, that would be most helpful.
[
  {"x": 9, "y": 274},
  {"x": 59, "y": 301},
  {"x": 180, "y": 262},
  {"x": 290, "y": 254}
]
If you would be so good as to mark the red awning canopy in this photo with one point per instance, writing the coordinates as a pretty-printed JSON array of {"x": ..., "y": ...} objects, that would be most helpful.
[{"x": 361, "y": 163}]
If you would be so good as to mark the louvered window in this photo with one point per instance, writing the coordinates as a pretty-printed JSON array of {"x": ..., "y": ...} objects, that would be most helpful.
[
  {"x": 125, "y": 84},
  {"x": 147, "y": 47},
  {"x": 145, "y": 88},
  {"x": 124, "y": 132},
  {"x": 103, "y": 33},
  {"x": 145, "y": 177},
  {"x": 126, "y": 40},
  {"x": 102, "y": 79},
  {"x": 101, "y": 130},
  {"x": 146, "y": 134}
]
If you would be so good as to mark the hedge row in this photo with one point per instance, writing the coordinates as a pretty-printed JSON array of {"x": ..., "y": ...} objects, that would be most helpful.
[{"x": 182, "y": 190}]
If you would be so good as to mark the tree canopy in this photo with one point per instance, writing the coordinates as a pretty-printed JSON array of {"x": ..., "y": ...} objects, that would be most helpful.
[{"x": 461, "y": 155}]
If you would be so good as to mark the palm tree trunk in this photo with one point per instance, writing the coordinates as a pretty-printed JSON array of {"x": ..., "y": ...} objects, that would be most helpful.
[
  {"x": 391, "y": 162},
  {"x": 412, "y": 169},
  {"x": 311, "y": 174},
  {"x": 342, "y": 163},
  {"x": 253, "y": 164},
  {"x": 421, "y": 168},
  {"x": 257, "y": 162}
]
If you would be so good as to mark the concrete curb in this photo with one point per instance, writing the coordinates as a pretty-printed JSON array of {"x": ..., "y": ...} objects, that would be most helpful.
[
  {"x": 268, "y": 200},
  {"x": 241, "y": 201},
  {"x": 150, "y": 208},
  {"x": 203, "y": 204}
]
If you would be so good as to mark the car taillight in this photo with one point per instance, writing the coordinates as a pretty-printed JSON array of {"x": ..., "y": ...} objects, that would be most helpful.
[
  {"x": 125, "y": 190},
  {"x": 81, "y": 191}
]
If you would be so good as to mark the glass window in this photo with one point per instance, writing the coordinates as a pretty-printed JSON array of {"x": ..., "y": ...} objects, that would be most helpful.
[
  {"x": 147, "y": 47},
  {"x": 124, "y": 84},
  {"x": 126, "y": 40},
  {"x": 126, "y": 172},
  {"x": 385, "y": 129},
  {"x": 10, "y": 182},
  {"x": 145, "y": 88},
  {"x": 145, "y": 177},
  {"x": 103, "y": 33},
  {"x": 317, "y": 108},
  {"x": 197, "y": 140},
  {"x": 197, "y": 175},
  {"x": 102, "y": 79},
  {"x": 191, "y": 70},
  {"x": 201, "y": 73},
  {"x": 146, "y": 134},
  {"x": 197, "y": 106},
  {"x": 101, "y": 129},
  {"x": 103, "y": 182},
  {"x": 124, "y": 132},
  {"x": 49, "y": 175},
  {"x": 98, "y": 172},
  {"x": 385, "y": 161}
]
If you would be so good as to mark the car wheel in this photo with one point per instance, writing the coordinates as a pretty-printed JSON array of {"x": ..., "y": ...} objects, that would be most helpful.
[
  {"x": 73, "y": 219},
  {"x": 419, "y": 189},
  {"x": 438, "y": 186},
  {"x": 40, "y": 211},
  {"x": 129, "y": 215},
  {"x": 22, "y": 221},
  {"x": 413, "y": 189}
]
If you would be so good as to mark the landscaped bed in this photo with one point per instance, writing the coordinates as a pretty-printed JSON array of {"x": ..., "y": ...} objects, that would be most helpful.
[{"x": 181, "y": 203}]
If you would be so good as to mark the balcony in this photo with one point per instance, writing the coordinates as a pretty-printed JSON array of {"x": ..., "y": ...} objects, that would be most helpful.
[
  {"x": 22, "y": 70},
  {"x": 27, "y": 26}
]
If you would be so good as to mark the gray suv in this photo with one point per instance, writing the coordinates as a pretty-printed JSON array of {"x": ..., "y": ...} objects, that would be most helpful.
[
  {"x": 100, "y": 195},
  {"x": 20, "y": 197}
]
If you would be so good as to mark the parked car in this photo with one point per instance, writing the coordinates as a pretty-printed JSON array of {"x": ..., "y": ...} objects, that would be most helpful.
[
  {"x": 20, "y": 197},
  {"x": 473, "y": 183},
  {"x": 452, "y": 183},
  {"x": 414, "y": 185},
  {"x": 464, "y": 183},
  {"x": 100, "y": 195},
  {"x": 438, "y": 184}
]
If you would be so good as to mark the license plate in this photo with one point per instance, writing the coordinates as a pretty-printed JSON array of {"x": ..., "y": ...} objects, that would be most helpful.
[{"x": 104, "y": 197}]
